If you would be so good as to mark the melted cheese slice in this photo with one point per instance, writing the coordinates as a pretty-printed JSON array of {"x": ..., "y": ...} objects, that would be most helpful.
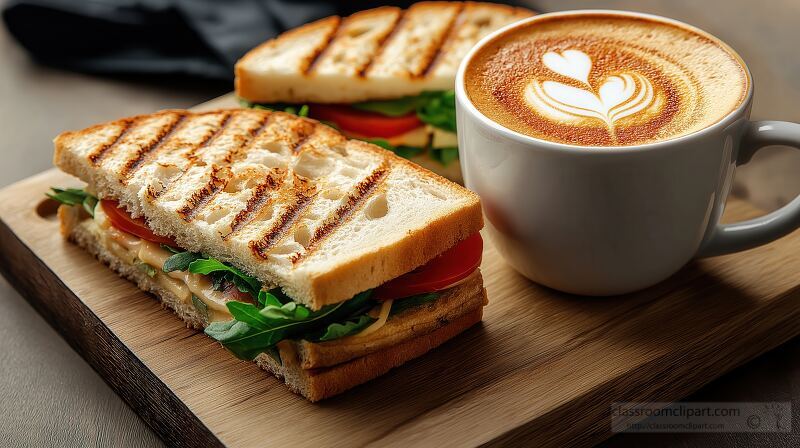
[{"x": 182, "y": 284}]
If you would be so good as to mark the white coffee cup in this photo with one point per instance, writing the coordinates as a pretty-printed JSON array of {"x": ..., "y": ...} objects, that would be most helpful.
[{"x": 613, "y": 220}]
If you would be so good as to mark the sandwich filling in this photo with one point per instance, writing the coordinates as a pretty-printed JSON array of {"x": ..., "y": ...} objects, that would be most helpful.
[
  {"x": 411, "y": 126},
  {"x": 249, "y": 317}
]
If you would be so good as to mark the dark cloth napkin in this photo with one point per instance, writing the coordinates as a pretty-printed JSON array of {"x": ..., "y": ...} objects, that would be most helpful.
[{"x": 199, "y": 38}]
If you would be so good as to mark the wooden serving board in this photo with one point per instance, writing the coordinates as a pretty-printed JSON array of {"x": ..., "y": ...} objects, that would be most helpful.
[{"x": 543, "y": 368}]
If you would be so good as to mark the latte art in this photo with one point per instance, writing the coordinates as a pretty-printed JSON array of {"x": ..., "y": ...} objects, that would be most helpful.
[
  {"x": 601, "y": 80},
  {"x": 617, "y": 97}
]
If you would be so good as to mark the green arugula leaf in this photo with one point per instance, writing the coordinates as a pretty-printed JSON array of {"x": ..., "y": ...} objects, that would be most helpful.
[
  {"x": 221, "y": 278},
  {"x": 439, "y": 110},
  {"x": 180, "y": 261},
  {"x": 254, "y": 331},
  {"x": 244, "y": 341},
  {"x": 249, "y": 314},
  {"x": 349, "y": 327},
  {"x": 74, "y": 196},
  {"x": 89, "y": 203},
  {"x": 267, "y": 298},
  {"x": 400, "y": 305},
  {"x": 68, "y": 196},
  {"x": 290, "y": 310},
  {"x": 444, "y": 155},
  {"x": 244, "y": 282}
]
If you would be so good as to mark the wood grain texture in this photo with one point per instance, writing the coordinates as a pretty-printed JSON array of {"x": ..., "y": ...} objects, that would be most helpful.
[{"x": 543, "y": 366}]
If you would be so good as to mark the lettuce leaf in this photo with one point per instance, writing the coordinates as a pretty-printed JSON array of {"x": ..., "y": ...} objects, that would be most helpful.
[{"x": 439, "y": 110}]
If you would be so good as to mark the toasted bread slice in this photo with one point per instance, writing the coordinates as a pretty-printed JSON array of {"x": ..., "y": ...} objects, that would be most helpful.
[
  {"x": 315, "y": 370},
  {"x": 380, "y": 53},
  {"x": 289, "y": 200}
]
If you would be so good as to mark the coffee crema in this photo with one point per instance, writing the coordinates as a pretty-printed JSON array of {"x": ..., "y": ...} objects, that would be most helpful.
[{"x": 601, "y": 79}]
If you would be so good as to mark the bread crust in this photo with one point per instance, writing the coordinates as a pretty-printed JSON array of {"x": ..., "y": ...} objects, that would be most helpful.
[
  {"x": 315, "y": 370},
  {"x": 314, "y": 281}
]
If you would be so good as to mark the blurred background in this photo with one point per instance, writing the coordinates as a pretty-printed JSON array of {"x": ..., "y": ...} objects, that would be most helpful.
[{"x": 69, "y": 64}]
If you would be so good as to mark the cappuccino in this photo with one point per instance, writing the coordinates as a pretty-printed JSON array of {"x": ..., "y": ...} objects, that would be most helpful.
[{"x": 599, "y": 79}]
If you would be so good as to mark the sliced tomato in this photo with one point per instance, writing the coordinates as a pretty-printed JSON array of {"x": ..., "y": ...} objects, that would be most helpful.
[
  {"x": 364, "y": 123},
  {"x": 455, "y": 264},
  {"x": 122, "y": 220}
]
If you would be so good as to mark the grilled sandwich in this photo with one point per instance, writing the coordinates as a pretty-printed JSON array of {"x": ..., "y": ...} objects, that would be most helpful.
[
  {"x": 384, "y": 75},
  {"x": 326, "y": 260}
]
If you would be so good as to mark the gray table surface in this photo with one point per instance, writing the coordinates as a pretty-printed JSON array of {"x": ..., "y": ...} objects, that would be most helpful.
[{"x": 50, "y": 397}]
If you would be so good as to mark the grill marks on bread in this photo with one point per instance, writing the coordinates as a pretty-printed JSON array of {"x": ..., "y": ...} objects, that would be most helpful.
[
  {"x": 322, "y": 44},
  {"x": 209, "y": 137},
  {"x": 220, "y": 151},
  {"x": 417, "y": 40},
  {"x": 96, "y": 156},
  {"x": 143, "y": 151},
  {"x": 305, "y": 135},
  {"x": 256, "y": 202},
  {"x": 200, "y": 198},
  {"x": 370, "y": 53},
  {"x": 292, "y": 201},
  {"x": 237, "y": 151},
  {"x": 359, "y": 38},
  {"x": 354, "y": 202},
  {"x": 379, "y": 41},
  {"x": 191, "y": 155},
  {"x": 290, "y": 215},
  {"x": 437, "y": 47},
  {"x": 220, "y": 172}
]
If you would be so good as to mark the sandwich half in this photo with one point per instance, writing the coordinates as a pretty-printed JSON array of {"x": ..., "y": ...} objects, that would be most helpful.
[
  {"x": 326, "y": 260},
  {"x": 383, "y": 75}
]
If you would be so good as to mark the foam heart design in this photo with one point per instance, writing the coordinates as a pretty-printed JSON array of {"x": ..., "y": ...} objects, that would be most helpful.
[
  {"x": 618, "y": 96},
  {"x": 573, "y": 64},
  {"x": 614, "y": 92}
]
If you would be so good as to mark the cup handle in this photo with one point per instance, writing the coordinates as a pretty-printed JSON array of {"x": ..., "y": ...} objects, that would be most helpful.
[{"x": 729, "y": 238}]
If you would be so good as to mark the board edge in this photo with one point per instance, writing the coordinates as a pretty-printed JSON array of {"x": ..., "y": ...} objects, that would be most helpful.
[{"x": 155, "y": 403}]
